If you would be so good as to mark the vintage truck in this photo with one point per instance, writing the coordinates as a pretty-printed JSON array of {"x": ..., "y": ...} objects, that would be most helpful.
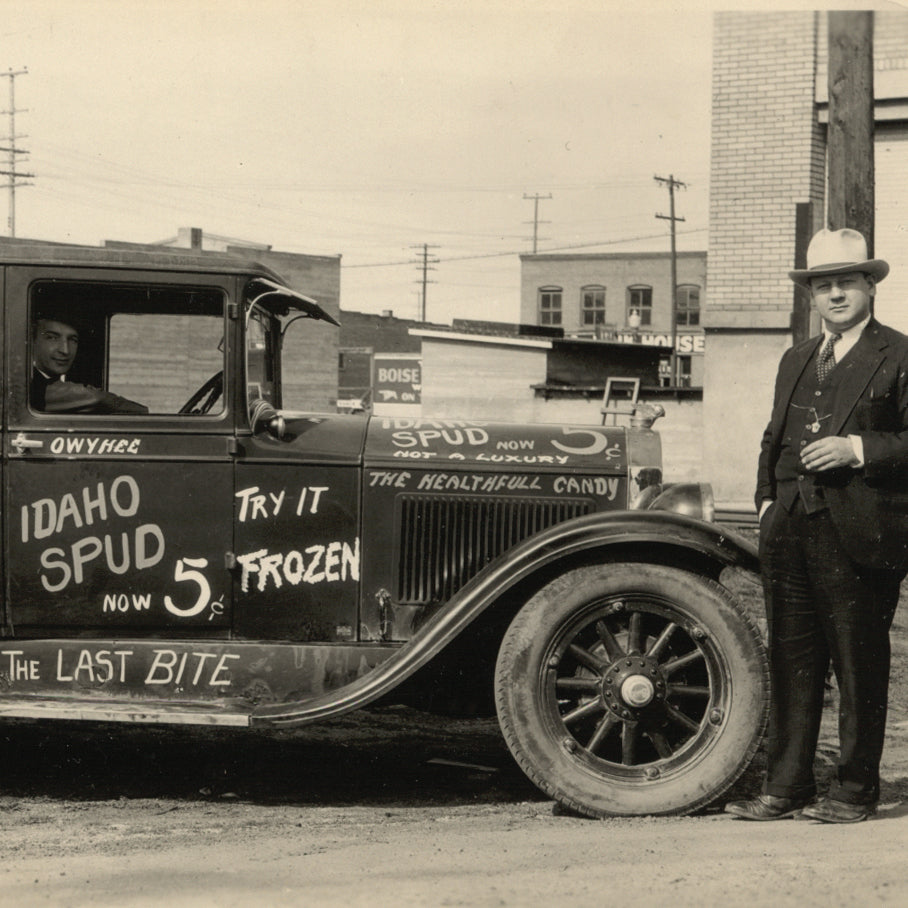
[{"x": 224, "y": 560}]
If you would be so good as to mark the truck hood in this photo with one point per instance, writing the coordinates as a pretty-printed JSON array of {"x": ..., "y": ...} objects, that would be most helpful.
[
  {"x": 493, "y": 445},
  {"x": 394, "y": 442}
]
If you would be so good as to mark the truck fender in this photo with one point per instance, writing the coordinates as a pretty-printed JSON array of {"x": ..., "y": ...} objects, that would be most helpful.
[{"x": 674, "y": 533}]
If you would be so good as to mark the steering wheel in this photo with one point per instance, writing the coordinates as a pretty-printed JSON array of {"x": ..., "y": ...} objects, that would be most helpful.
[{"x": 205, "y": 397}]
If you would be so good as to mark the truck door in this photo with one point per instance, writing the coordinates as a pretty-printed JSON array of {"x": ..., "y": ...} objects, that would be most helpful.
[
  {"x": 117, "y": 517},
  {"x": 297, "y": 504}
]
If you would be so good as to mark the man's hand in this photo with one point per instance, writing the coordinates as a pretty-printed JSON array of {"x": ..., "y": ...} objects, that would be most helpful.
[{"x": 829, "y": 453}]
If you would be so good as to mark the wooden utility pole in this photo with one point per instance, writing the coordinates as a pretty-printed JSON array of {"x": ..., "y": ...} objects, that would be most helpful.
[
  {"x": 850, "y": 137},
  {"x": 671, "y": 182},
  {"x": 801, "y": 327},
  {"x": 425, "y": 264},
  {"x": 12, "y": 150},
  {"x": 536, "y": 222}
]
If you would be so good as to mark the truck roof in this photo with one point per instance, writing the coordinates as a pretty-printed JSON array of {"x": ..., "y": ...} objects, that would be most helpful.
[{"x": 169, "y": 259}]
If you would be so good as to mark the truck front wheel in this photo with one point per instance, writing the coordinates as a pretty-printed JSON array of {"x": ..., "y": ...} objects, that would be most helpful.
[{"x": 630, "y": 689}]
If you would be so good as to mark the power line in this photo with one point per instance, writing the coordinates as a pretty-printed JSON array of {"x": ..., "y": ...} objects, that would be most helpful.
[
  {"x": 511, "y": 252},
  {"x": 113, "y": 181},
  {"x": 179, "y": 190}
]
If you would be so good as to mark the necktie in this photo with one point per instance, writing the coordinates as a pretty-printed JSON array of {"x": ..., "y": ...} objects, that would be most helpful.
[{"x": 826, "y": 359}]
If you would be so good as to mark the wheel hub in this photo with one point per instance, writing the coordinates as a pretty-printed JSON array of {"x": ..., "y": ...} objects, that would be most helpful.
[
  {"x": 637, "y": 690},
  {"x": 632, "y": 683}
]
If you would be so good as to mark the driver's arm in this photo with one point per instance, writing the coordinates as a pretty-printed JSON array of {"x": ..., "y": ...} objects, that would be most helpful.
[{"x": 72, "y": 397}]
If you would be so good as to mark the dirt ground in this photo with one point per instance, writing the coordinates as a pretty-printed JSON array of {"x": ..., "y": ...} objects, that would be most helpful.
[{"x": 400, "y": 808}]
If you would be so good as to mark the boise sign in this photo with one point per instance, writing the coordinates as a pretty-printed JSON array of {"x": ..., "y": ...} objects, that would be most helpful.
[{"x": 397, "y": 378}]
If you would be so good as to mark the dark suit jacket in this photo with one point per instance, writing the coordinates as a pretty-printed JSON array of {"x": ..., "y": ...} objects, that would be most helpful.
[
  {"x": 869, "y": 506},
  {"x": 55, "y": 396}
]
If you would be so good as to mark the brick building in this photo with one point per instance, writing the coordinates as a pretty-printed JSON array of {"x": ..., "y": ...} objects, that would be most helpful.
[
  {"x": 623, "y": 297},
  {"x": 768, "y": 158}
]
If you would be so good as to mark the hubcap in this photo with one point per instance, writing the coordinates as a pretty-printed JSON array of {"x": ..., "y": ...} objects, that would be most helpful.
[
  {"x": 631, "y": 683},
  {"x": 637, "y": 691}
]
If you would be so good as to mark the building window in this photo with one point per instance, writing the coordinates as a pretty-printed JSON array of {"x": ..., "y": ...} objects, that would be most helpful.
[
  {"x": 592, "y": 305},
  {"x": 640, "y": 301},
  {"x": 550, "y": 305},
  {"x": 687, "y": 305},
  {"x": 685, "y": 374}
]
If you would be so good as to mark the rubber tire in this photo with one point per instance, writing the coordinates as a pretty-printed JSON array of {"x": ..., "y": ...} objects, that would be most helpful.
[{"x": 525, "y": 699}]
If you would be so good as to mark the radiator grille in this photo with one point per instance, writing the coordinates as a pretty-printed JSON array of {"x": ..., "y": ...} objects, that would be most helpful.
[{"x": 445, "y": 541}]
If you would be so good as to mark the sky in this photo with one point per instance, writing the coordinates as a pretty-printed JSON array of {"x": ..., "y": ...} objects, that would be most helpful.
[{"x": 368, "y": 130}]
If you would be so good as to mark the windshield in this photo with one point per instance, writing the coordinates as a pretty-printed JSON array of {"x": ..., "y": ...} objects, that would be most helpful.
[
  {"x": 291, "y": 346},
  {"x": 260, "y": 383}
]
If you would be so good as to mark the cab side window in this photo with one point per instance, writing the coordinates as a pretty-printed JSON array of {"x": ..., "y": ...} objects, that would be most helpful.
[
  {"x": 165, "y": 359},
  {"x": 126, "y": 349}
]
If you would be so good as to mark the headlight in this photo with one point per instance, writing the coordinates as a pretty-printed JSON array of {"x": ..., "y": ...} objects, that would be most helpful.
[{"x": 695, "y": 499}]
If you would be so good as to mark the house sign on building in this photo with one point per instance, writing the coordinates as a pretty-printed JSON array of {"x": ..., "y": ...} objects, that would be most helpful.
[{"x": 685, "y": 343}]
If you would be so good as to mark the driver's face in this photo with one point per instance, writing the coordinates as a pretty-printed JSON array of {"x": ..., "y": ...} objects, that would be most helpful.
[{"x": 55, "y": 347}]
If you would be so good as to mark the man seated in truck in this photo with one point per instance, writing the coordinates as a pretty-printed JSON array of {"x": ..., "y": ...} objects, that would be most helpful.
[{"x": 55, "y": 342}]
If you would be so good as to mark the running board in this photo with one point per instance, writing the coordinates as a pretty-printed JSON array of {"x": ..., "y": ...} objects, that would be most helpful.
[{"x": 145, "y": 713}]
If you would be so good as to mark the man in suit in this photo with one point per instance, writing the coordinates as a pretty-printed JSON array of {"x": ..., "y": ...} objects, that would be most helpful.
[
  {"x": 832, "y": 494},
  {"x": 55, "y": 342}
]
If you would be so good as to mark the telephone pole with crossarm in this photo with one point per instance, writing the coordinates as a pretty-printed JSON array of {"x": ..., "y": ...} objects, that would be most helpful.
[
  {"x": 671, "y": 182},
  {"x": 12, "y": 150}
]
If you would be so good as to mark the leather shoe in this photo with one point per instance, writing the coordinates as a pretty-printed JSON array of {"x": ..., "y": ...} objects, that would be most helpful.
[
  {"x": 767, "y": 807},
  {"x": 827, "y": 810}
]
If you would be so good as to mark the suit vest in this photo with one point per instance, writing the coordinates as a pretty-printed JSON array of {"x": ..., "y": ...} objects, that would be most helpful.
[{"x": 807, "y": 419}]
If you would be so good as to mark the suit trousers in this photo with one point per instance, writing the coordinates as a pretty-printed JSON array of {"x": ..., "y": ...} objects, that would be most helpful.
[{"x": 822, "y": 606}]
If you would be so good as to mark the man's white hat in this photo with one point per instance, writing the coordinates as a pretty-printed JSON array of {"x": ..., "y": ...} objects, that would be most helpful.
[{"x": 838, "y": 252}]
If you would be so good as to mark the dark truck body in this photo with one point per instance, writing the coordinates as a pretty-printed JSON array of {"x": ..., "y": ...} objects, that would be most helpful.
[{"x": 226, "y": 560}]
